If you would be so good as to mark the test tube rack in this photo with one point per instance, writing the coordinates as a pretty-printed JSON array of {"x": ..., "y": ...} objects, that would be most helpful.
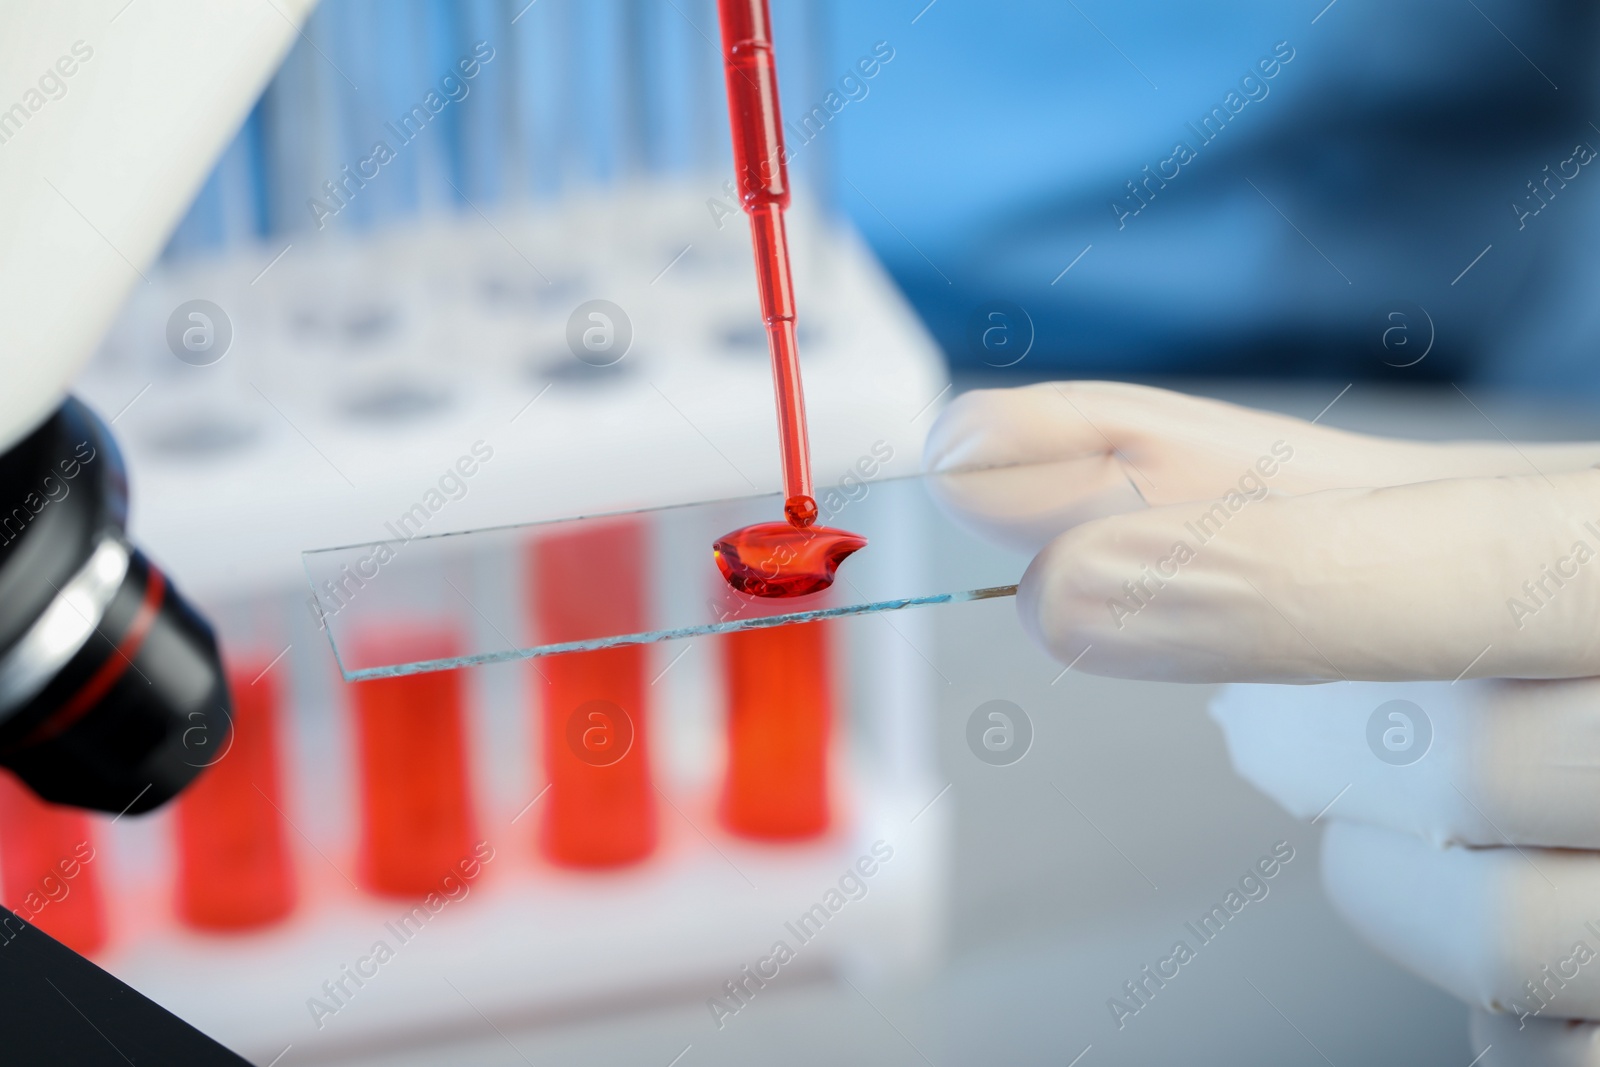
[{"x": 361, "y": 370}]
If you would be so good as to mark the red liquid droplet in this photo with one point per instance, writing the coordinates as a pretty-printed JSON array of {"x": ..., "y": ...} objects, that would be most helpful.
[
  {"x": 775, "y": 559},
  {"x": 801, "y": 511}
]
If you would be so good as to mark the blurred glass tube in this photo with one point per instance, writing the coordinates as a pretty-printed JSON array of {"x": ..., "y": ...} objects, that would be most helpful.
[{"x": 576, "y": 94}]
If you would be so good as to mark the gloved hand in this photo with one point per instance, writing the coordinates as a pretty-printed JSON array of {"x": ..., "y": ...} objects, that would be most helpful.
[{"x": 1275, "y": 550}]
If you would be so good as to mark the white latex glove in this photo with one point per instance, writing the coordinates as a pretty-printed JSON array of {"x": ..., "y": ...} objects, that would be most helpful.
[{"x": 1273, "y": 550}]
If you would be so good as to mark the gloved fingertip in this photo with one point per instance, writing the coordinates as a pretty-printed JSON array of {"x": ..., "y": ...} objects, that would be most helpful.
[
  {"x": 1028, "y": 600},
  {"x": 952, "y": 431},
  {"x": 1043, "y": 612}
]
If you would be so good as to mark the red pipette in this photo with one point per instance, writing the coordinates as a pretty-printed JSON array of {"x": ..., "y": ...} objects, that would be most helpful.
[{"x": 763, "y": 182}]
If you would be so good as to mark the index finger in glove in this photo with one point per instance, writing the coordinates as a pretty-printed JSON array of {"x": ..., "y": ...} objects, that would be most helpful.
[
  {"x": 1483, "y": 577},
  {"x": 1109, "y": 447},
  {"x": 1080, "y": 451}
]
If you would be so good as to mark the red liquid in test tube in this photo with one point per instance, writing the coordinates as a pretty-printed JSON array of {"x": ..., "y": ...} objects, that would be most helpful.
[
  {"x": 600, "y": 810},
  {"x": 417, "y": 822},
  {"x": 234, "y": 868},
  {"x": 746, "y": 557},
  {"x": 780, "y": 714},
  {"x": 50, "y": 867}
]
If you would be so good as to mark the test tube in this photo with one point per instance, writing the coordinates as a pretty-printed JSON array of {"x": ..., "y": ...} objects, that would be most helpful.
[
  {"x": 417, "y": 822},
  {"x": 234, "y": 869},
  {"x": 49, "y": 867},
  {"x": 601, "y": 809},
  {"x": 780, "y": 718}
]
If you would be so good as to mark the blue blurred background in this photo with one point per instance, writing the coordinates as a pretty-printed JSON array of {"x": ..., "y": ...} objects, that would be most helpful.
[{"x": 1139, "y": 188}]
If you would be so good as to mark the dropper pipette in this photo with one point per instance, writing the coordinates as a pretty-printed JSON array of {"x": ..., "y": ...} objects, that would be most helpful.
[{"x": 762, "y": 178}]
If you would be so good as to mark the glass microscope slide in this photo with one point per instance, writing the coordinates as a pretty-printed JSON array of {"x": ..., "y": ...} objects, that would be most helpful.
[{"x": 473, "y": 583}]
